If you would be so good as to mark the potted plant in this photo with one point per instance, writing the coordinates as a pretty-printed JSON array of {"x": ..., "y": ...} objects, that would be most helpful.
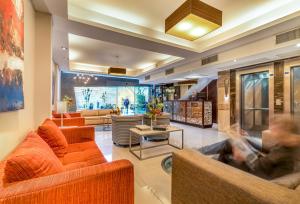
[{"x": 69, "y": 101}]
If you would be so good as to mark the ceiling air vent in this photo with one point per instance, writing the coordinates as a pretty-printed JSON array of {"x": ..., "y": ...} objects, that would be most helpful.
[
  {"x": 210, "y": 59},
  {"x": 169, "y": 71},
  {"x": 288, "y": 36},
  {"x": 147, "y": 77}
]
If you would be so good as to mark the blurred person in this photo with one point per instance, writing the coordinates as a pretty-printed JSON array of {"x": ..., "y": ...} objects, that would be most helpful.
[
  {"x": 247, "y": 154},
  {"x": 126, "y": 104}
]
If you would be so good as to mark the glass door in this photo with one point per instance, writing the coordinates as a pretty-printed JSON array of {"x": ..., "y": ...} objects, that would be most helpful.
[
  {"x": 296, "y": 90},
  {"x": 255, "y": 102}
]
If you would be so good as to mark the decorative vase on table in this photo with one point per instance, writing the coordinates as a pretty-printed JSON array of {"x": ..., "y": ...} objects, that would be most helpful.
[
  {"x": 154, "y": 108},
  {"x": 153, "y": 122}
]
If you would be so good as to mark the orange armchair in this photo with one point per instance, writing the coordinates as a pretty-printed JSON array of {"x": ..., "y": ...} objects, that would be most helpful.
[
  {"x": 69, "y": 121},
  {"x": 78, "y": 134},
  {"x": 72, "y": 115},
  {"x": 100, "y": 184}
]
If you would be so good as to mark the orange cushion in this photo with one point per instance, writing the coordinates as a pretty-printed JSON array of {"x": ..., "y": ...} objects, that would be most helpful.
[
  {"x": 73, "y": 166},
  {"x": 82, "y": 146},
  {"x": 86, "y": 152},
  {"x": 32, "y": 159},
  {"x": 54, "y": 137}
]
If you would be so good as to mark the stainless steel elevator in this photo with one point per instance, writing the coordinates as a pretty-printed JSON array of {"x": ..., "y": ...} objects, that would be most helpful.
[
  {"x": 255, "y": 102},
  {"x": 295, "y": 92}
]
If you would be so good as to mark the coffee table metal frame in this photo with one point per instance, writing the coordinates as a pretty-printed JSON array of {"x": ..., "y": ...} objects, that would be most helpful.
[
  {"x": 142, "y": 134},
  {"x": 106, "y": 124}
]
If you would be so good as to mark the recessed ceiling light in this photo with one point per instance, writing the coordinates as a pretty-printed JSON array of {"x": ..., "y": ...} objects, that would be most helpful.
[
  {"x": 234, "y": 60},
  {"x": 179, "y": 79},
  {"x": 194, "y": 76},
  {"x": 298, "y": 45},
  {"x": 64, "y": 48},
  {"x": 73, "y": 54}
]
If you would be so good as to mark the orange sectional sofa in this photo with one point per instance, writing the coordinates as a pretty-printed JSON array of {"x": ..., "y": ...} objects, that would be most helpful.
[{"x": 80, "y": 174}]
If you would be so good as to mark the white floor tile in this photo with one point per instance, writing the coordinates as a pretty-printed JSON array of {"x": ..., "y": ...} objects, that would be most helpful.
[{"x": 152, "y": 184}]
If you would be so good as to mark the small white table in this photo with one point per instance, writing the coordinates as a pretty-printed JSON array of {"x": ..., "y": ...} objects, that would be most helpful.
[{"x": 143, "y": 133}]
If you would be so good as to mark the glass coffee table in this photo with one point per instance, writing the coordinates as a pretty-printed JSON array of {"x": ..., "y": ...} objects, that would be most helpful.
[{"x": 143, "y": 133}]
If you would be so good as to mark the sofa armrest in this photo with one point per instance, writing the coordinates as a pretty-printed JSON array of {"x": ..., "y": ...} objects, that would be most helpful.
[
  {"x": 199, "y": 179},
  {"x": 75, "y": 115},
  {"x": 105, "y": 183},
  {"x": 69, "y": 121},
  {"x": 78, "y": 134}
]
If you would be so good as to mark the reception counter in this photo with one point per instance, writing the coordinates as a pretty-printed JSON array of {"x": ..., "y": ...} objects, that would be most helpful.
[{"x": 196, "y": 113}]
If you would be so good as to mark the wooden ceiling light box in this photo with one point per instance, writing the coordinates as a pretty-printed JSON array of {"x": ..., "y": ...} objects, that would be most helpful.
[
  {"x": 117, "y": 71},
  {"x": 192, "y": 20},
  {"x": 187, "y": 82}
]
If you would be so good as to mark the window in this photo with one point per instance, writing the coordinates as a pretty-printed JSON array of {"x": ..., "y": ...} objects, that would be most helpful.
[{"x": 130, "y": 99}]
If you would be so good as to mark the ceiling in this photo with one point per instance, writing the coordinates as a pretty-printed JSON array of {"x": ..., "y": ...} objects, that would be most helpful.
[
  {"x": 146, "y": 18},
  {"x": 152, "y": 14},
  {"x": 95, "y": 31},
  {"x": 90, "y": 52}
]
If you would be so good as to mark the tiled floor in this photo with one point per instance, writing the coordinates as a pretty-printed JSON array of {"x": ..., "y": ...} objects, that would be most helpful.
[{"x": 152, "y": 184}]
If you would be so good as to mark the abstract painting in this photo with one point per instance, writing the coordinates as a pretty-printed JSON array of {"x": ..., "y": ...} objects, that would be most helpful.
[{"x": 11, "y": 55}]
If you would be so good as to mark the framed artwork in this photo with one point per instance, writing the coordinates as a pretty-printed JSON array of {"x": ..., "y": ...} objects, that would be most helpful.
[{"x": 11, "y": 55}]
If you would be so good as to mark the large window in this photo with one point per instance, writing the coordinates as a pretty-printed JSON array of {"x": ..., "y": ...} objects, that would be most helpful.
[{"x": 130, "y": 99}]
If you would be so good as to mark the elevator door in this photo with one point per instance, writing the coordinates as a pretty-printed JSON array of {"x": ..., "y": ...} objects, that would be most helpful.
[
  {"x": 255, "y": 102},
  {"x": 296, "y": 91}
]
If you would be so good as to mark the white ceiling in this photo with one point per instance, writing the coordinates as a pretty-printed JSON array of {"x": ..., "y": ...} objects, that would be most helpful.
[
  {"x": 135, "y": 29},
  {"x": 83, "y": 50},
  {"x": 152, "y": 14},
  {"x": 146, "y": 18}
]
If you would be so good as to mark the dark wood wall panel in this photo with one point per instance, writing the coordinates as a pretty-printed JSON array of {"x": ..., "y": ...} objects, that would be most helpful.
[
  {"x": 232, "y": 97},
  {"x": 211, "y": 94},
  {"x": 213, "y": 97},
  {"x": 278, "y": 86}
]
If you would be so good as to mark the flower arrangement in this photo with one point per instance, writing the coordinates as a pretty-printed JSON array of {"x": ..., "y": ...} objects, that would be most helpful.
[
  {"x": 154, "y": 108},
  {"x": 116, "y": 111},
  {"x": 69, "y": 101}
]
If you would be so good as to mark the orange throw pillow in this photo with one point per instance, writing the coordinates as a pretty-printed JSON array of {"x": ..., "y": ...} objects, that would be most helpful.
[
  {"x": 32, "y": 159},
  {"x": 54, "y": 137}
]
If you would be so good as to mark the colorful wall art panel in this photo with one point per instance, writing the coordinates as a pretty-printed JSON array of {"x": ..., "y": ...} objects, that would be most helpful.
[{"x": 11, "y": 55}]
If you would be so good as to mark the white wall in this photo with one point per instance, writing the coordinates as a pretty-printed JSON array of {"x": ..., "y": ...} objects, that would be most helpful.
[
  {"x": 15, "y": 125},
  {"x": 43, "y": 64}
]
